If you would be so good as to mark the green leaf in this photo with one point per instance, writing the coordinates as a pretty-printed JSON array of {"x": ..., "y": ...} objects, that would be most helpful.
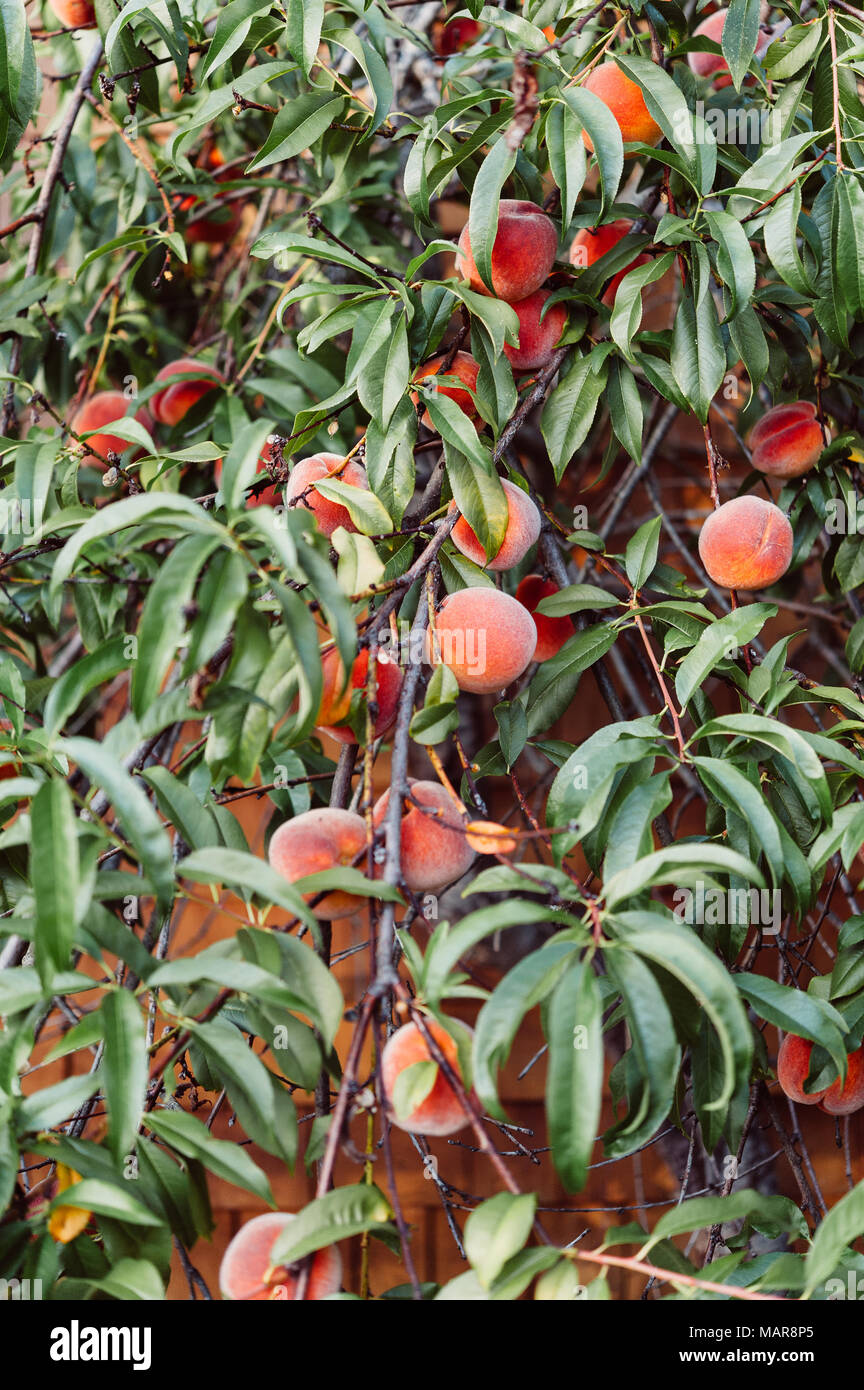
[
  {"x": 842, "y": 1225},
  {"x": 130, "y": 1279},
  {"x": 188, "y": 1136},
  {"x": 303, "y": 34},
  {"x": 640, "y": 556},
  {"x": 777, "y": 1213},
  {"x": 297, "y": 126},
  {"x": 719, "y": 642},
  {"x": 627, "y": 310},
  {"x": 739, "y": 37},
  {"x": 163, "y": 617},
  {"x": 605, "y": 135},
  {"x": 736, "y": 264},
  {"x": 497, "y": 1230},
  {"x": 346, "y": 1211},
  {"x": 570, "y": 409},
  {"x": 413, "y": 1085},
  {"x": 124, "y": 1069},
  {"x": 574, "y": 1085},
  {"x": 797, "y": 1012},
  {"x": 106, "y": 1200},
  {"x": 483, "y": 209},
  {"x": 54, "y": 876}
]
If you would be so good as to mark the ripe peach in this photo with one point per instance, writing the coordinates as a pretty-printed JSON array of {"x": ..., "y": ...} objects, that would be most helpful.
[
  {"x": 488, "y": 837},
  {"x": 323, "y": 838},
  {"x": 246, "y": 1273},
  {"x": 484, "y": 636},
  {"x": 793, "y": 1065},
  {"x": 328, "y": 515},
  {"x": 714, "y": 64},
  {"x": 537, "y": 338},
  {"x": 526, "y": 244},
  {"x": 433, "y": 849},
  {"x": 218, "y": 227},
  {"x": 336, "y": 703},
  {"x": 845, "y": 1099},
  {"x": 626, "y": 102},
  {"x": 439, "y": 1113},
  {"x": 452, "y": 35},
  {"x": 746, "y": 544},
  {"x": 171, "y": 404},
  {"x": 75, "y": 14},
  {"x": 787, "y": 441},
  {"x": 552, "y": 633},
  {"x": 465, "y": 369},
  {"x": 590, "y": 243},
  {"x": 103, "y": 409},
  {"x": 523, "y": 528}
]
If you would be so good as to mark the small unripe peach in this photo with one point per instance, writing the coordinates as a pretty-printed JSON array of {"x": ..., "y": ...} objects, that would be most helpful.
[
  {"x": 746, "y": 544},
  {"x": 464, "y": 369},
  {"x": 787, "y": 441},
  {"x": 433, "y": 849},
  {"x": 537, "y": 337},
  {"x": 324, "y": 838},
  {"x": 523, "y": 528},
  {"x": 105, "y": 408},
  {"x": 552, "y": 633},
  {"x": 484, "y": 636},
  {"x": 300, "y": 488},
  {"x": 590, "y": 243},
  {"x": 75, "y": 14},
  {"x": 626, "y": 102},
  {"x": 247, "y": 1273},
  {"x": 170, "y": 405},
  {"x": 440, "y": 1112},
  {"x": 524, "y": 251}
]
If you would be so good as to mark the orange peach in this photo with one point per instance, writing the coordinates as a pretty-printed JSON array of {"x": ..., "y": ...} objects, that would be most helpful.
[
  {"x": 787, "y": 441},
  {"x": 465, "y": 369},
  {"x": 537, "y": 337},
  {"x": 75, "y": 14},
  {"x": 793, "y": 1065},
  {"x": 440, "y": 1112},
  {"x": 300, "y": 489},
  {"x": 552, "y": 633},
  {"x": 526, "y": 244},
  {"x": 523, "y": 528},
  {"x": 324, "y": 838},
  {"x": 590, "y": 243},
  {"x": 626, "y": 102},
  {"x": 104, "y": 409},
  {"x": 746, "y": 544},
  {"x": 484, "y": 636},
  {"x": 336, "y": 701},
  {"x": 246, "y": 1272},
  {"x": 433, "y": 849},
  {"x": 171, "y": 404}
]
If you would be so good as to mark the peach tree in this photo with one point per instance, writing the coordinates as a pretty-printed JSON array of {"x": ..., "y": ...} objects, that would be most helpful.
[{"x": 313, "y": 488}]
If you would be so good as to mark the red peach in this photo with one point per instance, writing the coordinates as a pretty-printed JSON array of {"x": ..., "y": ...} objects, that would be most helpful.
[
  {"x": 433, "y": 849},
  {"x": 451, "y": 36},
  {"x": 590, "y": 243},
  {"x": 626, "y": 102},
  {"x": 537, "y": 337},
  {"x": 484, "y": 636},
  {"x": 523, "y": 528},
  {"x": 845, "y": 1099},
  {"x": 105, "y": 408},
  {"x": 336, "y": 702},
  {"x": 171, "y": 404},
  {"x": 465, "y": 369},
  {"x": 328, "y": 515},
  {"x": 440, "y": 1112},
  {"x": 793, "y": 1066},
  {"x": 787, "y": 441},
  {"x": 324, "y": 838},
  {"x": 526, "y": 244},
  {"x": 746, "y": 544},
  {"x": 268, "y": 496},
  {"x": 246, "y": 1273},
  {"x": 75, "y": 14},
  {"x": 552, "y": 633}
]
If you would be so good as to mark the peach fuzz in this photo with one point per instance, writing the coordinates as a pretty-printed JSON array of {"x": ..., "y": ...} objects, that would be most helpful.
[
  {"x": 523, "y": 528},
  {"x": 336, "y": 700},
  {"x": 526, "y": 244},
  {"x": 328, "y": 515},
  {"x": 465, "y": 369},
  {"x": 174, "y": 401},
  {"x": 439, "y": 1113},
  {"x": 590, "y": 243},
  {"x": 793, "y": 1065},
  {"x": 433, "y": 849},
  {"x": 626, "y": 102},
  {"x": 485, "y": 637},
  {"x": 714, "y": 64},
  {"x": 552, "y": 633},
  {"x": 746, "y": 544},
  {"x": 324, "y": 838},
  {"x": 787, "y": 441},
  {"x": 246, "y": 1273},
  {"x": 537, "y": 336},
  {"x": 75, "y": 14},
  {"x": 105, "y": 408}
]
